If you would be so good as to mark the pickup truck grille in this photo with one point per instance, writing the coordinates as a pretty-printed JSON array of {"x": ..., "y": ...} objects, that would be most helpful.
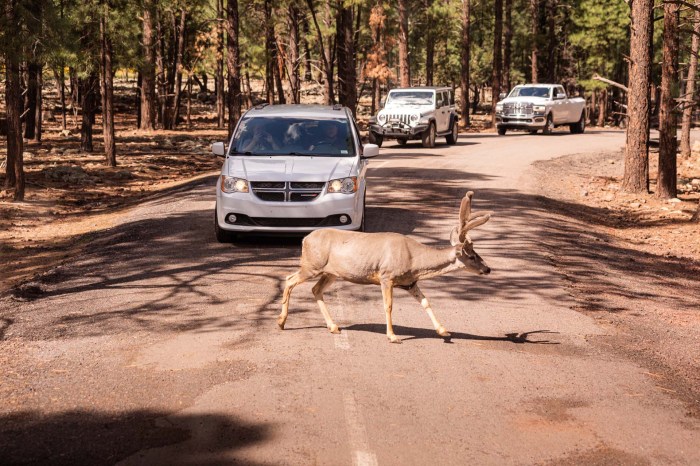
[
  {"x": 517, "y": 108},
  {"x": 285, "y": 191},
  {"x": 394, "y": 117}
]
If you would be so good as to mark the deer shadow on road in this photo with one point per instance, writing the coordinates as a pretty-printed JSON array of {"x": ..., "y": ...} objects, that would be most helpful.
[{"x": 413, "y": 333}]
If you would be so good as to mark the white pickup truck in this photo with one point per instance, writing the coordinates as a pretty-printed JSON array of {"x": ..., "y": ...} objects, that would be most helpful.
[{"x": 534, "y": 107}]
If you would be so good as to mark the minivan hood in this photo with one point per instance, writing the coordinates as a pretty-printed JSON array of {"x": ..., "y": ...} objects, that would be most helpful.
[{"x": 290, "y": 168}]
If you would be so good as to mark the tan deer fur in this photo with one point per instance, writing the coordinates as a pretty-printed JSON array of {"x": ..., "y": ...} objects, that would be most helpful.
[{"x": 390, "y": 260}]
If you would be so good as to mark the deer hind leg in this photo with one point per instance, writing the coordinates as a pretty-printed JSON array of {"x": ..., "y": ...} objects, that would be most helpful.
[
  {"x": 292, "y": 281},
  {"x": 420, "y": 297},
  {"x": 318, "y": 289},
  {"x": 387, "y": 294}
]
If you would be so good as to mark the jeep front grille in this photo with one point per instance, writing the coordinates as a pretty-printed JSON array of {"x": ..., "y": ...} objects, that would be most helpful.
[
  {"x": 285, "y": 191},
  {"x": 395, "y": 117}
]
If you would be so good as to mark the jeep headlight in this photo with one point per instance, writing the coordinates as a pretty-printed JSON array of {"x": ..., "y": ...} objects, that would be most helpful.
[
  {"x": 230, "y": 184},
  {"x": 343, "y": 185},
  {"x": 538, "y": 108},
  {"x": 381, "y": 118}
]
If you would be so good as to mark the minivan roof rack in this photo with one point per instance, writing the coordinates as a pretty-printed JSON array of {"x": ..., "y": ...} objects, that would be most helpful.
[
  {"x": 337, "y": 107},
  {"x": 263, "y": 105}
]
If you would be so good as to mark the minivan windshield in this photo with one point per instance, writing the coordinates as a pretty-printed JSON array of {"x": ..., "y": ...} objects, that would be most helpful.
[
  {"x": 259, "y": 135},
  {"x": 410, "y": 97},
  {"x": 530, "y": 91}
]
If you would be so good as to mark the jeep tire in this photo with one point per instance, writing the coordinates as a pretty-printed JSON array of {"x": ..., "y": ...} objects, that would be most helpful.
[
  {"x": 428, "y": 136},
  {"x": 402, "y": 141},
  {"x": 454, "y": 134}
]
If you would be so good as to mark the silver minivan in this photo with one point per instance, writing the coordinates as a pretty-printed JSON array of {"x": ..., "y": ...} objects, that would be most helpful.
[{"x": 292, "y": 169}]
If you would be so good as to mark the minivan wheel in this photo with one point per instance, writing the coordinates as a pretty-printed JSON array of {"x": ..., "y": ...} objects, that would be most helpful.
[
  {"x": 428, "y": 137},
  {"x": 364, "y": 212},
  {"x": 454, "y": 134},
  {"x": 222, "y": 236}
]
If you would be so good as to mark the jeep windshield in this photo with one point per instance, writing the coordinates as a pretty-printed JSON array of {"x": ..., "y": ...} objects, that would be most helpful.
[
  {"x": 530, "y": 91},
  {"x": 267, "y": 136},
  {"x": 410, "y": 98}
]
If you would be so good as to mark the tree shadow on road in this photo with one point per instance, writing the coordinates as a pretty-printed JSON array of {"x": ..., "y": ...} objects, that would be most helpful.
[{"x": 91, "y": 438}]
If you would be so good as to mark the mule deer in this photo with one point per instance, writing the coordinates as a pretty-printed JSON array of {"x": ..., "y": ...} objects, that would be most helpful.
[{"x": 390, "y": 260}]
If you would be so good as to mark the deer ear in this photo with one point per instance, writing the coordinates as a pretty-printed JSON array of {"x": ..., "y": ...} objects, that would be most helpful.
[{"x": 454, "y": 237}]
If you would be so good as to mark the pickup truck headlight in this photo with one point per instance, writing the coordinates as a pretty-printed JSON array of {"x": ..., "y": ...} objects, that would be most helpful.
[
  {"x": 343, "y": 185},
  {"x": 381, "y": 118},
  {"x": 229, "y": 184},
  {"x": 538, "y": 108},
  {"x": 499, "y": 108}
]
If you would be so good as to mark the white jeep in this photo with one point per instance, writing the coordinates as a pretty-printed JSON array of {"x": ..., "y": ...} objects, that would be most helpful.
[{"x": 416, "y": 113}]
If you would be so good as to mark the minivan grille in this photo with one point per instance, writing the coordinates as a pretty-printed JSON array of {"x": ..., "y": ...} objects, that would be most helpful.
[{"x": 286, "y": 191}]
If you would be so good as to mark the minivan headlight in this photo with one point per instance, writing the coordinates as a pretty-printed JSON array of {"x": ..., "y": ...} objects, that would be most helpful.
[
  {"x": 230, "y": 184},
  {"x": 343, "y": 185}
]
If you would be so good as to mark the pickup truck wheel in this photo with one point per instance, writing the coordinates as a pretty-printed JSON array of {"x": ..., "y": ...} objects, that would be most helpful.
[
  {"x": 502, "y": 131},
  {"x": 454, "y": 134},
  {"x": 549, "y": 125},
  {"x": 533, "y": 131},
  {"x": 402, "y": 141},
  {"x": 580, "y": 126},
  {"x": 375, "y": 138},
  {"x": 428, "y": 137}
]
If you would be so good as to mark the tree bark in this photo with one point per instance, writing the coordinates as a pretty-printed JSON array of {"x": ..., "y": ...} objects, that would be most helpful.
[
  {"x": 107, "y": 87},
  {"x": 38, "y": 114},
  {"x": 220, "y": 93},
  {"x": 465, "y": 58},
  {"x": 88, "y": 87},
  {"x": 508, "y": 46},
  {"x": 326, "y": 57},
  {"x": 270, "y": 48},
  {"x": 667, "y": 176},
  {"x": 553, "y": 44},
  {"x": 60, "y": 76},
  {"x": 636, "y": 176},
  {"x": 148, "y": 71},
  {"x": 14, "y": 169},
  {"x": 429, "y": 46},
  {"x": 278, "y": 60},
  {"x": 690, "y": 87},
  {"x": 602, "y": 107},
  {"x": 294, "y": 60},
  {"x": 347, "y": 79},
  {"x": 177, "y": 71},
  {"x": 233, "y": 65},
  {"x": 497, "y": 58},
  {"x": 30, "y": 100},
  {"x": 404, "y": 65},
  {"x": 534, "y": 51}
]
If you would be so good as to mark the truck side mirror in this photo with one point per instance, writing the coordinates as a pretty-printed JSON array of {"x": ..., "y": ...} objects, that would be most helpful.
[{"x": 560, "y": 96}]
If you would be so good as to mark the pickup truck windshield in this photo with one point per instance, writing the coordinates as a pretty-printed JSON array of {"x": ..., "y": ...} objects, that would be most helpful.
[
  {"x": 532, "y": 91},
  {"x": 293, "y": 136},
  {"x": 410, "y": 97}
]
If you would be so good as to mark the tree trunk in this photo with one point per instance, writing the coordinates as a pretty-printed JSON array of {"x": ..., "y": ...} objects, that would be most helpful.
[
  {"x": 138, "y": 99},
  {"x": 429, "y": 45},
  {"x": 278, "y": 60},
  {"x": 219, "y": 79},
  {"x": 508, "y": 46},
  {"x": 636, "y": 177},
  {"x": 404, "y": 65},
  {"x": 60, "y": 76},
  {"x": 162, "y": 74},
  {"x": 88, "y": 87},
  {"x": 690, "y": 87},
  {"x": 270, "y": 49},
  {"x": 177, "y": 68},
  {"x": 293, "y": 62},
  {"x": 233, "y": 65},
  {"x": 326, "y": 56},
  {"x": 189, "y": 102},
  {"x": 38, "y": 115},
  {"x": 534, "y": 32},
  {"x": 148, "y": 71},
  {"x": 465, "y": 58},
  {"x": 107, "y": 87},
  {"x": 13, "y": 100},
  {"x": 305, "y": 45},
  {"x": 602, "y": 108},
  {"x": 30, "y": 100},
  {"x": 497, "y": 63},
  {"x": 667, "y": 177},
  {"x": 347, "y": 79},
  {"x": 553, "y": 44}
]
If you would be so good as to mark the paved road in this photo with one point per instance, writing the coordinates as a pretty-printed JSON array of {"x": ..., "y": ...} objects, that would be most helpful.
[{"x": 159, "y": 346}]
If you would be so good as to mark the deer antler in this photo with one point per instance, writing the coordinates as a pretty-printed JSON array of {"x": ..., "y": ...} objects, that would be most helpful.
[{"x": 468, "y": 220}]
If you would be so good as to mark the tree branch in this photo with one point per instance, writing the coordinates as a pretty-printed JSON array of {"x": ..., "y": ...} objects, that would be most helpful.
[{"x": 612, "y": 83}]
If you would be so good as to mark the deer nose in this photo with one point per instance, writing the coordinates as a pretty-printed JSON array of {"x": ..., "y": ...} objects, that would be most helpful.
[{"x": 485, "y": 271}]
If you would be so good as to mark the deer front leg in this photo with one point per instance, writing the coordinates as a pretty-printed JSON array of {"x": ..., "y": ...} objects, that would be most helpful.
[
  {"x": 387, "y": 294},
  {"x": 420, "y": 297},
  {"x": 319, "y": 287}
]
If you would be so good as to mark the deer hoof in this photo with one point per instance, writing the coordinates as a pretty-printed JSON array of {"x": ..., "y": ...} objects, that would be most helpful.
[
  {"x": 281, "y": 322},
  {"x": 443, "y": 332},
  {"x": 394, "y": 339},
  {"x": 334, "y": 328}
]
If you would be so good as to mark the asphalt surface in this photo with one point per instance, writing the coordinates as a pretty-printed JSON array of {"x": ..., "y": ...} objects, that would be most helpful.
[{"x": 158, "y": 345}]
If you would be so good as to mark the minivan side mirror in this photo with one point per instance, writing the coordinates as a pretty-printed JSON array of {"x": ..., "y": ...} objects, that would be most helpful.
[
  {"x": 218, "y": 149},
  {"x": 502, "y": 96},
  {"x": 369, "y": 151}
]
